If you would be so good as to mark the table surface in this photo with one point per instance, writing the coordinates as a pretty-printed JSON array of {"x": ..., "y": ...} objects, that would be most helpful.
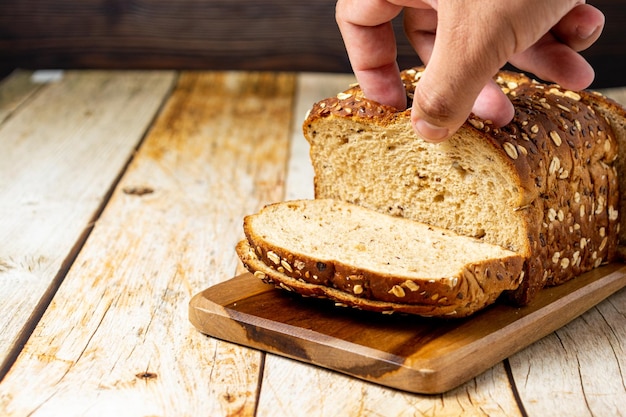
[{"x": 122, "y": 196}]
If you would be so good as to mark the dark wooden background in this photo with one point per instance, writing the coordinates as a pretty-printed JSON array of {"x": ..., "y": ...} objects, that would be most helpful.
[{"x": 216, "y": 34}]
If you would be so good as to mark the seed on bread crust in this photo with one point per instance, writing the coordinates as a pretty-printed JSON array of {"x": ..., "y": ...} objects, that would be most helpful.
[
  {"x": 555, "y": 165},
  {"x": 286, "y": 265},
  {"x": 564, "y": 108},
  {"x": 603, "y": 243},
  {"x": 556, "y": 138},
  {"x": 398, "y": 291},
  {"x": 272, "y": 256},
  {"x": 510, "y": 150},
  {"x": 478, "y": 124},
  {"x": 573, "y": 95}
]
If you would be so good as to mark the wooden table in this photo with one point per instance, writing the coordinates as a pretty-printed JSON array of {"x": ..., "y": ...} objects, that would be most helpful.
[{"x": 121, "y": 196}]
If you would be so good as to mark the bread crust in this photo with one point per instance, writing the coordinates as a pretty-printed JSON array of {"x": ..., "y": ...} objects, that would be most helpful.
[
  {"x": 562, "y": 154},
  {"x": 460, "y": 296}
]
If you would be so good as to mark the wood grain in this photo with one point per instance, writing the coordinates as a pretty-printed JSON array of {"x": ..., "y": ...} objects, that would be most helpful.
[
  {"x": 14, "y": 92},
  {"x": 297, "y": 389},
  {"x": 116, "y": 338},
  {"x": 117, "y": 331},
  {"x": 311, "y": 88},
  {"x": 582, "y": 362},
  {"x": 408, "y": 353},
  {"x": 235, "y": 34},
  {"x": 60, "y": 156}
]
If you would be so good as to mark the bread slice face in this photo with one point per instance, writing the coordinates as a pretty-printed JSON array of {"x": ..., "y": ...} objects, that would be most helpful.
[
  {"x": 362, "y": 258},
  {"x": 544, "y": 186}
]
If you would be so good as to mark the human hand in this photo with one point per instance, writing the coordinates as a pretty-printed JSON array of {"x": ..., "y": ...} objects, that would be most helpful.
[{"x": 463, "y": 44}]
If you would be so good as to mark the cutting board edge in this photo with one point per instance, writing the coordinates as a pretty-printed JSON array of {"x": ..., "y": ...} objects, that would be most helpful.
[
  {"x": 237, "y": 330},
  {"x": 412, "y": 374},
  {"x": 600, "y": 289}
]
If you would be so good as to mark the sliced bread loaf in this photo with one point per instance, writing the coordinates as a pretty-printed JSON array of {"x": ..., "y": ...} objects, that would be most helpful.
[
  {"x": 544, "y": 186},
  {"x": 359, "y": 257}
]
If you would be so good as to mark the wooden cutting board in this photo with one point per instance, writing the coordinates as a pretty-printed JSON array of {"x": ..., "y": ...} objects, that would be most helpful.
[{"x": 410, "y": 353}]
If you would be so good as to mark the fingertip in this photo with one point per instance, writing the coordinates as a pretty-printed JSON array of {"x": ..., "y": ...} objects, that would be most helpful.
[
  {"x": 434, "y": 116},
  {"x": 580, "y": 75},
  {"x": 492, "y": 104},
  {"x": 430, "y": 132},
  {"x": 581, "y": 27},
  {"x": 383, "y": 85},
  {"x": 442, "y": 101},
  {"x": 556, "y": 62},
  {"x": 586, "y": 33}
]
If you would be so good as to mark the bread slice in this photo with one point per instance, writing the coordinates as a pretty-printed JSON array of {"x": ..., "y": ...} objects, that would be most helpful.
[
  {"x": 544, "y": 186},
  {"x": 359, "y": 257}
]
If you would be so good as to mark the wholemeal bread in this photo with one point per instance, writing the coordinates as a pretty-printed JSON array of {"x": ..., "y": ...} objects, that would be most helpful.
[
  {"x": 544, "y": 186},
  {"x": 361, "y": 258}
]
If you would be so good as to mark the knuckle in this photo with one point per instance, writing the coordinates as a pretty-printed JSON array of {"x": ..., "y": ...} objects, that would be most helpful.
[{"x": 434, "y": 105}]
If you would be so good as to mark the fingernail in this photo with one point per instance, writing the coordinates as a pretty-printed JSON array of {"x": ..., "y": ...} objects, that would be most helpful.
[
  {"x": 430, "y": 132},
  {"x": 585, "y": 32}
]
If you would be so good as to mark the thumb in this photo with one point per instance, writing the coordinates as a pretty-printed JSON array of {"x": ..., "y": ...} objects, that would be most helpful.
[
  {"x": 463, "y": 61},
  {"x": 444, "y": 98}
]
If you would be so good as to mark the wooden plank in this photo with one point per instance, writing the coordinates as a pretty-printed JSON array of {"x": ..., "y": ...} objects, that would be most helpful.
[
  {"x": 302, "y": 390},
  {"x": 116, "y": 339},
  {"x": 408, "y": 353},
  {"x": 582, "y": 363},
  {"x": 15, "y": 90},
  {"x": 234, "y": 34},
  {"x": 311, "y": 87},
  {"x": 61, "y": 153}
]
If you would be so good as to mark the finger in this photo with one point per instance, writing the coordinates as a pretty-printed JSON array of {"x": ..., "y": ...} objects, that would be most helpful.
[
  {"x": 463, "y": 60},
  {"x": 580, "y": 28},
  {"x": 370, "y": 42},
  {"x": 467, "y": 53},
  {"x": 420, "y": 27},
  {"x": 551, "y": 60},
  {"x": 492, "y": 104}
]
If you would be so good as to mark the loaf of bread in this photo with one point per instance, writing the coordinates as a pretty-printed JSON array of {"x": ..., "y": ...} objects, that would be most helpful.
[
  {"x": 545, "y": 186},
  {"x": 361, "y": 258}
]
